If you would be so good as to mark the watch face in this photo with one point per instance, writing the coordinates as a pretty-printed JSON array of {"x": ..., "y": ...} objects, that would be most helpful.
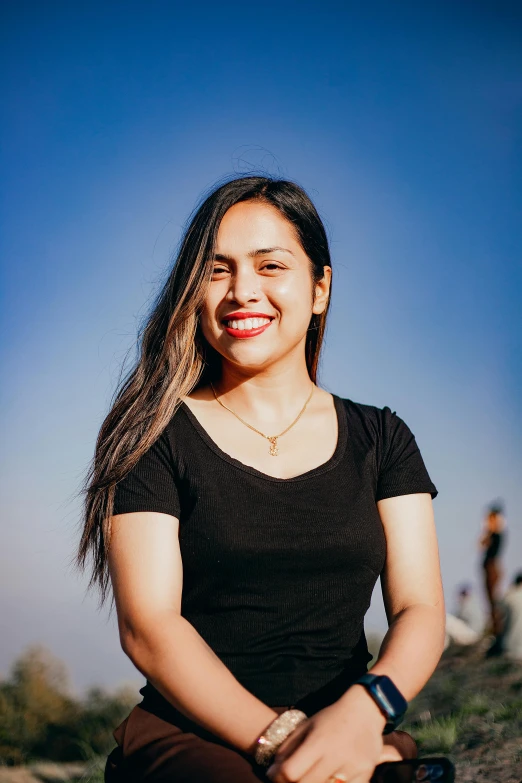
[{"x": 390, "y": 698}]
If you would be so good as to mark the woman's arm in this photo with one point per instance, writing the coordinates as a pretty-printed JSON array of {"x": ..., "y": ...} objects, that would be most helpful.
[
  {"x": 485, "y": 539},
  {"x": 347, "y": 736},
  {"x": 412, "y": 592},
  {"x": 146, "y": 573}
]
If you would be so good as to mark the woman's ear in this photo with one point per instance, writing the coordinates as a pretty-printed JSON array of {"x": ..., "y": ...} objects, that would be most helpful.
[{"x": 322, "y": 291}]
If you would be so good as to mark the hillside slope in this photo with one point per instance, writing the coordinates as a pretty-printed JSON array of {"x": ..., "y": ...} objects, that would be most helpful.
[{"x": 471, "y": 711}]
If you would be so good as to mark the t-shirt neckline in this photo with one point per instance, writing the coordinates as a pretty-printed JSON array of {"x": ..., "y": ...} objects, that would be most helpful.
[{"x": 342, "y": 438}]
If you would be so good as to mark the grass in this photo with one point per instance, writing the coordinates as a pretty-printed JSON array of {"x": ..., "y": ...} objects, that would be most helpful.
[
  {"x": 94, "y": 774},
  {"x": 476, "y": 704},
  {"x": 438, "y": 736},
  {"x": 471, "y": 710}
]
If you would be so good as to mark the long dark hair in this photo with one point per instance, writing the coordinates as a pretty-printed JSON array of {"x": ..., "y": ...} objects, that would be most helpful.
[{"x": 174, "y": 357}]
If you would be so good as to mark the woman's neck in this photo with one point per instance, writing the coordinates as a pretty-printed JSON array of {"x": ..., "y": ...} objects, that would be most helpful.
[{"x": 274, "y": 395}]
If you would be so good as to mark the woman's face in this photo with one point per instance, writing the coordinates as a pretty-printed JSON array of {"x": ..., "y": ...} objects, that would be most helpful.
[{"x": 260, "y": 270}]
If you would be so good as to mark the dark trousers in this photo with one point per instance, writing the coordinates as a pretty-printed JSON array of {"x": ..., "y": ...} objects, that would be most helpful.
[
  {"x": 169, "y": 748},
  {"x": 493, "y": 574}
]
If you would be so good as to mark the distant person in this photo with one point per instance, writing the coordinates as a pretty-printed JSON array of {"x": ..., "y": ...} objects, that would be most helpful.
[
  {"x": 465, "y": 626},
  {"x": 243, "y": 515},
  {"x": 458, "y": 632},
  {"x": 512, "y": 603},
  {"x": 491, "y": 542},
  {"x": 468, "y": 609}
]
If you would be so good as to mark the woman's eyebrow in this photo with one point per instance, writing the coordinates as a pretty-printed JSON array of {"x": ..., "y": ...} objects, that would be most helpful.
[{"x": 263, "y": 251}]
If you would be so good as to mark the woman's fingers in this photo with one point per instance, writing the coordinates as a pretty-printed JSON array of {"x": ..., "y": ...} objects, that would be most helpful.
[
  {"x": 308, "y": 756},
  {"x": 289, "y": 768},
  {"x": 389, "y": 753},
  {"x": 323, "y": 771},
  {"x": 293, "y": 740},
  {"x": 302, "y": 769},
  {"x": 398, "y": 745}
]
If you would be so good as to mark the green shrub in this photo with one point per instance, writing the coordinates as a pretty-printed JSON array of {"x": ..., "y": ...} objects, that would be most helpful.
[{"x": 39, "y": 719}]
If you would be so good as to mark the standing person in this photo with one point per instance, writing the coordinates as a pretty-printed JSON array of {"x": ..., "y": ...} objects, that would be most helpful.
[
  {"x": 491, "y": 543},
  {"x": 242, "y": 569}
]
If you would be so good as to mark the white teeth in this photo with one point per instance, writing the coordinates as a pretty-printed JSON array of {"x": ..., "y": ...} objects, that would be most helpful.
[{"x": 248, "y": 323}]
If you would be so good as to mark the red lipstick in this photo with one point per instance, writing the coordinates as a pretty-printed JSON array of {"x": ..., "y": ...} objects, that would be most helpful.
[{"x": 241, "y": 316}]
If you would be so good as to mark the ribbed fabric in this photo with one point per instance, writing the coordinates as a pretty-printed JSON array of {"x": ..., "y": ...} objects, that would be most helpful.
[{"x": 278, "y": 573}]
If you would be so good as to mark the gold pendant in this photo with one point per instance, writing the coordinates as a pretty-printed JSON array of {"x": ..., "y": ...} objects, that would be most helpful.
[{"x": 273, "y": 446}]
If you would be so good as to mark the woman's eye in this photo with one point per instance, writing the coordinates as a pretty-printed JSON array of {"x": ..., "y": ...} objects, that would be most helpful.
[{"x": 271, "y": 266}]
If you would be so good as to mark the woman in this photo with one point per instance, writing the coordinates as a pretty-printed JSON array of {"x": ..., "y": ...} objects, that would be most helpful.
[
  {"x": 491, "y": 543},
  {"x": 242, "y": 569}
]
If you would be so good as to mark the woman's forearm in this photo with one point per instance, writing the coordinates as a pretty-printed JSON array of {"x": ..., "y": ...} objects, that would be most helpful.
[
  {"x": 184, "y": 669},
  {"x": 412, "y": 648}
]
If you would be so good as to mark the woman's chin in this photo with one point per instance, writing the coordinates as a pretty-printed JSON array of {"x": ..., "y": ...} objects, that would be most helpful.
[{"x": 248, "y": 354}]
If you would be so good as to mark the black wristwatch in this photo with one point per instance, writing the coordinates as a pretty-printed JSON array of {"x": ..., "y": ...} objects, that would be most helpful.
[{"x": 388, "y": 698}]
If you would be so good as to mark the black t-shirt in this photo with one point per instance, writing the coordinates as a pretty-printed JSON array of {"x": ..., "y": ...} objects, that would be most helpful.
[{"x": 278, "y": 573}]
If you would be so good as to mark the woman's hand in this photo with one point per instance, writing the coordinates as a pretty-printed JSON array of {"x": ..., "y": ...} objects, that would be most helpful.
[
  {"x": 345, "y": 737},
  {"x": 398, "y": 745}
]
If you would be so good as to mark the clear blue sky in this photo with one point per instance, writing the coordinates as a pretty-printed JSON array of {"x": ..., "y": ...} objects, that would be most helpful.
[{"x": 402, "y": 120}]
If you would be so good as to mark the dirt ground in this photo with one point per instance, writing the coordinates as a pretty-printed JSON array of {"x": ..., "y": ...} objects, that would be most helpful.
[{"x": 471, "y": 711}]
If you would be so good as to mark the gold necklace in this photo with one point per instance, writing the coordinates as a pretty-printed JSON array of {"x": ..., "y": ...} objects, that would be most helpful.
[{"x": 272, "y": 438}]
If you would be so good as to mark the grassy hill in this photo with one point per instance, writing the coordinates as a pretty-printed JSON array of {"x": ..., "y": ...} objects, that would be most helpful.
[{"x": 471, "y": 711}]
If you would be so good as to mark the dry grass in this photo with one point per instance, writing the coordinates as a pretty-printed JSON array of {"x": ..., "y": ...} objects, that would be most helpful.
[{"x": 471, "y": 710}]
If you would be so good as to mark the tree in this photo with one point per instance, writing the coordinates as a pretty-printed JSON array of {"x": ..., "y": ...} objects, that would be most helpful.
[
  {"x": 39, "y": 719},
  {"x": 34, "y": 697}
]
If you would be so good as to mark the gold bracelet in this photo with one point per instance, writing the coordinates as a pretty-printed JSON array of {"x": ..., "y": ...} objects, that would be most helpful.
[{"x": 275, "y": 733}]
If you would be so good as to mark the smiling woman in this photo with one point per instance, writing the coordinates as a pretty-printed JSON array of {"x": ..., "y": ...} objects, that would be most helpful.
[
  {"x": 242, "y": 571},
  {"x": 248, "y": 257}
]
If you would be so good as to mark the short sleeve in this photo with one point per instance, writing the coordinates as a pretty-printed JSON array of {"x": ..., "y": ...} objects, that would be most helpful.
[
  {"x": 401, "y": 470},
  {"x": 151, "y": 484}
]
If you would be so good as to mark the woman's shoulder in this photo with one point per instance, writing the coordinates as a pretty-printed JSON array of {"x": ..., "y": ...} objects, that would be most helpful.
[
  {"x": 382, "y": 427},
  {"x": 177, "y": 431},
  {"x": 400, "y": 466},
  {"x": 368, "y": 416}
]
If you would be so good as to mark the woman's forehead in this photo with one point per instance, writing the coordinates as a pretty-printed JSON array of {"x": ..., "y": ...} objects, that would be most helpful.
[{"x": 251, "y": 227}]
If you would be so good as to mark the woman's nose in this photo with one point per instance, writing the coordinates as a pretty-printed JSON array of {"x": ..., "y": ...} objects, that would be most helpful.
[{"x": 244, "y": 287}]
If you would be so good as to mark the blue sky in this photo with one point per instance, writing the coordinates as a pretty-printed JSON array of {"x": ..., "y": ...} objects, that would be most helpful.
[{"x": 403, "y": 122}]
